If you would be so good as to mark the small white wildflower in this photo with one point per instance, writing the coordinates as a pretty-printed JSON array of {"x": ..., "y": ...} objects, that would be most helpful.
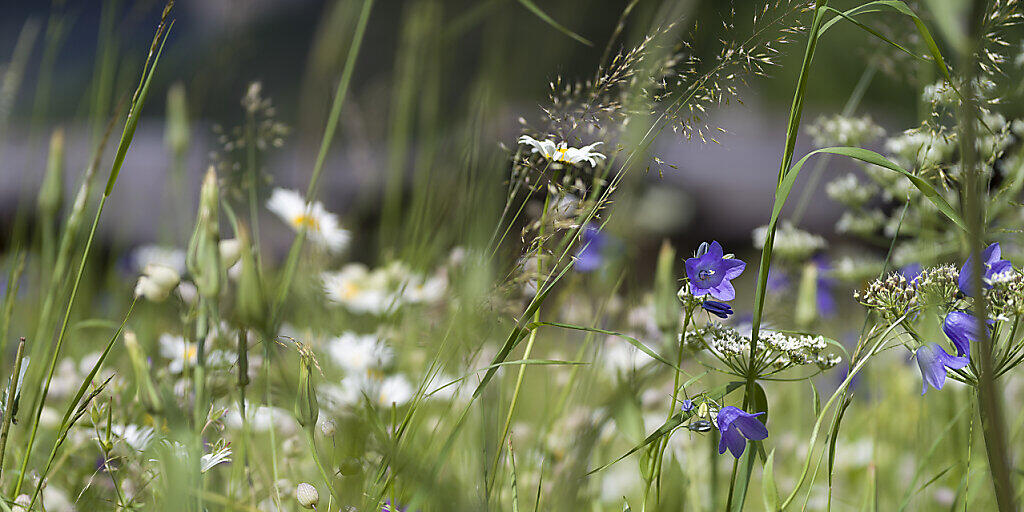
[
  {"x": 394, "y": 390},
  {"x": 358, "y": 354},
  {"x": 157, "y": 282},
  {"x": 561, "y": 152},
  {"x": 840, "y": 130},
  {"x": 359, "y": 290},
  {"x": 322, "y": 226},
  {"x": 219, "y": 455},
  {"x": 135, "y": 436},
  {"x": 328, "y": 427}
]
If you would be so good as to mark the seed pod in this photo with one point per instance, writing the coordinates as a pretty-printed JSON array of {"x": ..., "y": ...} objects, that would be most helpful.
[
  {"x": 306, "y": 495},
  {"x": 250, "y": 302},
  {"x": 807, "y": 296}
]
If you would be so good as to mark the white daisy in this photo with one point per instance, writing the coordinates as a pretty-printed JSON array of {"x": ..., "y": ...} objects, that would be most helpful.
[
  {"x": 181, "y": 353},
  {"x": 431, "y": 289},
  {"x": 359, "y": 290},
  {"x": 394, "y": 390},
  {"x": 137, "y": 437},
  {"x": 561, "y": 152},
  {"x": 358, "y": 354},
  {"x": 321, "y": 226}
]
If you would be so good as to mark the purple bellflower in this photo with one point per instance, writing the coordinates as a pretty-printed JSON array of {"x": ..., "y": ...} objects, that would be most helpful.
[
  {"x": 592, "y": 248},
  {"x": 826, "y": 302},
  {"x": 736, "y": 426},
  {"x": 710, "y": 273},
  {"x": 719, "y": 309},
  {"x": 991, "y": 263},
  {"x": 962, "y": 329},
  {"x": 933, "y": 361},
  {"x": 687, "y": 405}
]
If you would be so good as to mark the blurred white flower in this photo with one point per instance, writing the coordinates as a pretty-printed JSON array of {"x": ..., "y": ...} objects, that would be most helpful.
[
  {"x": 157, "y": 282},
  {"x": 394, "y": 390},
  {"x": 181, "y": 353},
  {"x": 137, "y": 437},
  {"x": 561, "y": 152},
  {"x": 146, "y": 255},
  {"x": 622, "y": 357},
  {"x": 359, "y": 290},
  {"x": 358, "y": 354},
  {"x": 322, "y": 226}
]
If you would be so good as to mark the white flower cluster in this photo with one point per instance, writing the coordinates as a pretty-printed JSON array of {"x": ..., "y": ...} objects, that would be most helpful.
[
  {"x": 920, "y": 148},
  {"x": 850, "y": 191},
  {"x": 841, "y": 130},
  {"x": 383, "y": 289},
  {"x": 790, "y": 242},
  {"x": 791, "y": 350},
  {"x": 781, "y": 350},
  {"x": 861, "y": 223}
]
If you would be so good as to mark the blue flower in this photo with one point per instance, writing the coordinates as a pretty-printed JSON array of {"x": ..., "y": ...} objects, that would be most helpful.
[
  {"x": 962, "y": 329},
  {"x": 933, "y": 361},
  {"x": 719, "y": 309},
  {"x": 592, "y": 247},
  {"x": 710, "y": 273},
  {"x": 991, "y": 263},
  {"x": 687, "y": 405},
  {"x": 737, "y": 426}
]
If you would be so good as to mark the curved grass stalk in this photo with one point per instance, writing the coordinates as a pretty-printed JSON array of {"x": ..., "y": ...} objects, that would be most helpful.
[{"x": 127, "y": 135}]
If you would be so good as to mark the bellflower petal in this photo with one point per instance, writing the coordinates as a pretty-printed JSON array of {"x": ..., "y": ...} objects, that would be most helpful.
[
  {"x": 992, "y": 265},
  {"x": 736, "y": 426},
  {"x": 933, "y": 362}
]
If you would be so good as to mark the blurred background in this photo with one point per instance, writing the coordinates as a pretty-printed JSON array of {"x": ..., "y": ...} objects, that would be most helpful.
[{"x": 488, "y": 64}]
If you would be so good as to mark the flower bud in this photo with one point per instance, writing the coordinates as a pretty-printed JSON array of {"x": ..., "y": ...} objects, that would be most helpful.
[
  {"x": 146, "y": 392},
  {"x": 156, "y": 282},
  {"x": 230, "y": 251},
  {"x": 306, "y": 495},
  {"x": 307, "y": 407},
  {"x": 51, "y": 192}
]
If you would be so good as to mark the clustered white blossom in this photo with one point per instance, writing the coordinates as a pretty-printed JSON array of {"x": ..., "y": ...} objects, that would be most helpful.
[
  {"x": 779, "y": 350},
  {"x": 840, "y": 130},
  {"x": 790, "y": 242},
  {"x": 383, "y": 289},
  {"x": 850, "y": 191}
]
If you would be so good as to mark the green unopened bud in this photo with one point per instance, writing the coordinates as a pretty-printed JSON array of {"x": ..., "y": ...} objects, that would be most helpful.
[
  {"x": 146, "y": 392},
  {"x": 307, "y": 407},
  {"x": 176, "y": 134},
  {"x": 204, "y": 254},
  {"x": 666, "y": 303},
  {"x": 250, "y": 303},
  {"x": 51, "y": 193}
]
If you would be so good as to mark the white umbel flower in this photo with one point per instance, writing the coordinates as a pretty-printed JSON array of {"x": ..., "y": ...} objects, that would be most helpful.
[
  {"x": 137, "y": 437},
  {"x": 561, "y": 152},
  {"x": 322, "y": 226}
]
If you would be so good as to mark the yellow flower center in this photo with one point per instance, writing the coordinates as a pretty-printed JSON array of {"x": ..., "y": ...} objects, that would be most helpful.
[
  {"x": 306, "y": 220},
  {"x": 559, "y": 155},
  {"x": 349, "y": 290},
  {"x": 189, "y": 352}
]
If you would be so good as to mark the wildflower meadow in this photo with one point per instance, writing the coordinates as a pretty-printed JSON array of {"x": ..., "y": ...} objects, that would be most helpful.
[{"x": 522, "y": 255}]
